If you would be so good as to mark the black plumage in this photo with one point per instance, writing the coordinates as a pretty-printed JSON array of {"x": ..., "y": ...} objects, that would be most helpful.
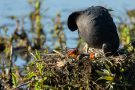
[{"x": 95, "y": 25}]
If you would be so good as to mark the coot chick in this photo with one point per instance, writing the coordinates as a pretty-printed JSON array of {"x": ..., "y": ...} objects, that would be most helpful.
[{"x": 95, "y": 25}]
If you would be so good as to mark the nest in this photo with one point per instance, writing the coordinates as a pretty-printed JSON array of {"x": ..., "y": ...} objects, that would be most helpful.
[{"x": 100, "y": 73}]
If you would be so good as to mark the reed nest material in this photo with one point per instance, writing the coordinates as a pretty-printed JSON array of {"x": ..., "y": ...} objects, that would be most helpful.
[{"x": 96, "y": 74}]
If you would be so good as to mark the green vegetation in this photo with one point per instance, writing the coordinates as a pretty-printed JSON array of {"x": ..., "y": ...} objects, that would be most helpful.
[{"x": 51, "y": 68}]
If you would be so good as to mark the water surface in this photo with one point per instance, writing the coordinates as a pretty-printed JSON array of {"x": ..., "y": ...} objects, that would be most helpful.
[{"x": 21, "y": 8}]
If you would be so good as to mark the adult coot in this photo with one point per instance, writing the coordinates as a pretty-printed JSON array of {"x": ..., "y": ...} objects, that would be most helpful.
[{"x": 95, "y": 25}]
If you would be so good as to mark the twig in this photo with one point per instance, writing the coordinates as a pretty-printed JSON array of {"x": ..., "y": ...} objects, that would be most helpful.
[
  {"x": 22, "y": 85},
  {"x": 97, "y": 85},
  {"x": 59, "y": 53}
]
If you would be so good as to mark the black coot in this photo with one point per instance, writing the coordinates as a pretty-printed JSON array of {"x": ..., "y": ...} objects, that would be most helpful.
[{"x": 95, "y": 25}]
